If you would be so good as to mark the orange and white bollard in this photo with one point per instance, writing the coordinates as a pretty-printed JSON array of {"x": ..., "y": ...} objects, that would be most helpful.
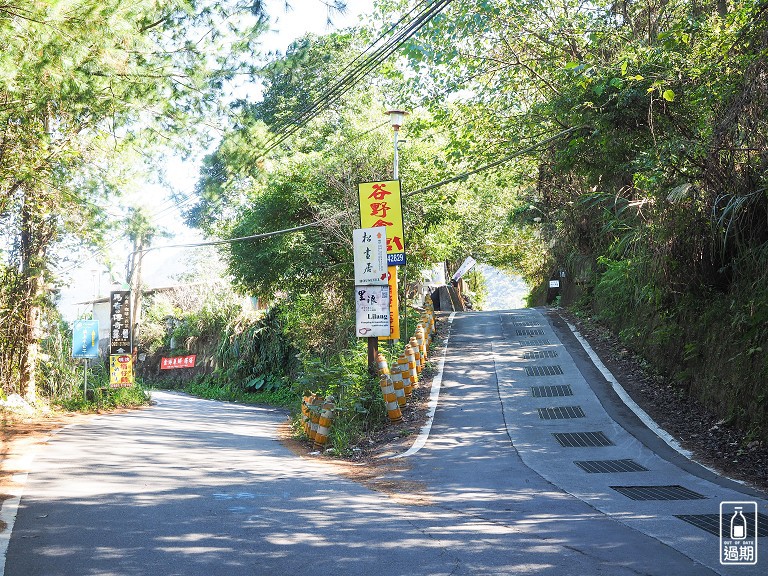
[
  {"x": 390, "y": 399},
  {"x": 314, "y": 416},
  {"x": 305, "y": 413},
  {"x": 416, "y": 353},
  {"x": 430, "y": 308},
  {"x": 429, "y": 323},
  {"x": 413, "y": 373},
  {"x": 421, "y": 340},
  {"x": 324, "y": 422},
  {"x": 405, "y": 373},
  {"x": 382, "y": 364},
  {"x": 429, "y": 327},
  {"x": 424, "y": 320},
  {"x": 398, "y": 384}
]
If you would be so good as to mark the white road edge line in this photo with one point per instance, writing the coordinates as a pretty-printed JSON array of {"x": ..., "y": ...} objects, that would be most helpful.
[
  {"x": 8, "y": 511},
  {"x": 433, "y": 396},
  {"x": 639, "y": 412},
  {"x": 10, "y": 507},
  {"x": 627, "y": 399}
]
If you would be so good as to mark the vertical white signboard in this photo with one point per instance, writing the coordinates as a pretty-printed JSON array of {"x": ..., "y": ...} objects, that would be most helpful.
[
  {"x": 370, "y": 250},
  {"x": 372, "y": 308}
]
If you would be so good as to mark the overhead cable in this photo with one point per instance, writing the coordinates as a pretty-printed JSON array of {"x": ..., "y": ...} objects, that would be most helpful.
[
  {"x": 461, "y": 176},
  {"x": 293, "y": 124}
]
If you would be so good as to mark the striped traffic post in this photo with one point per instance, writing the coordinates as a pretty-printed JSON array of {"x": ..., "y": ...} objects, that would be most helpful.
[
  {"x": 398, "y": 384},
  {"x": 381, "y": 363},
  {"x": 422, "y": 343},
  {"x": 416, "y": 353},
  {"x": 390, "y": 399},
  {"x": 413, "y": 374},
  {"x": 314, "y": 416},
  {"x": 324, "y": 422},
  {"x": 405, "y": 374}
]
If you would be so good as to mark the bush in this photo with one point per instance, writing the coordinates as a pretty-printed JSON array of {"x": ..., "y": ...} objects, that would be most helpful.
[
  {"x": 103, "y": 398},
  {"x": 360, "y": 408}
]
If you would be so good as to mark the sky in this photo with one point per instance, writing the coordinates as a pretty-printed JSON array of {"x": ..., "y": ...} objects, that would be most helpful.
[{"x": 161, "y": 267}]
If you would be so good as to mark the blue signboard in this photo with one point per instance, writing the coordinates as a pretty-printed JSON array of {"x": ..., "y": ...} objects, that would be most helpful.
[{"x": 85, "y": 339}]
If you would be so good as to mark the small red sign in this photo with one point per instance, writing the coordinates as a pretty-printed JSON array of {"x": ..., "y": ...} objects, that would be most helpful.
[{"x": 178, "y": 362}]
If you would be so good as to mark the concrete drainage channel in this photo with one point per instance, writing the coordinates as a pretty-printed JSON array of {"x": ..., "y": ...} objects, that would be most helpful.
[{"x": 561, "y": 430}]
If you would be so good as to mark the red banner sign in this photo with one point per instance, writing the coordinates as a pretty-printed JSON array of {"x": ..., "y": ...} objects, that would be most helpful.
[{"x": 178, "y": 362}]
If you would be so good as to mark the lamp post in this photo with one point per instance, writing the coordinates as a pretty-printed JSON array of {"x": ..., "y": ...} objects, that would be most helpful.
[{"x": 396, "y": 118}]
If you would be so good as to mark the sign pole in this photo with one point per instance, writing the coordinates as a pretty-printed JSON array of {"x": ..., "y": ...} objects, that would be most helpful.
[
  {"x": 405, "y": 305},
  {"x": 85, "y": 381},
  {"x": 373, "y": 353}
]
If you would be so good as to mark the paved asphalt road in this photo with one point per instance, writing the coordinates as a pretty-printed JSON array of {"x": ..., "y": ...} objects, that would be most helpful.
[{"x": 192, "y": 487}]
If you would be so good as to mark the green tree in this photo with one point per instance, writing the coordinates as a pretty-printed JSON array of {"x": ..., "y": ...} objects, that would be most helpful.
[
  {"x": 77, "y": 81},
  {"x": 656, "y": 205},
  {"x": 312, "y": 179}
]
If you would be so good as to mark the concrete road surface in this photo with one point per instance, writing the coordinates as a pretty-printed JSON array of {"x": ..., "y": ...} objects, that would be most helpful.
[{"x": 194, "y": 487}]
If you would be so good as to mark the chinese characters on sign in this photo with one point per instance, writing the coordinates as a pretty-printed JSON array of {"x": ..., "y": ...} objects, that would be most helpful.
[
  {"x": 372, "y": 311},
  {"x": 178, "y": 362},
  {"x": 120, "y": 322},
  {"x": 370, "y": 251},
  {"x": 738, "y": 533},
  {"x": 120, "y": 371},
  {"x": 85, "y": 339},
  {"x": 381, "y": 205}
]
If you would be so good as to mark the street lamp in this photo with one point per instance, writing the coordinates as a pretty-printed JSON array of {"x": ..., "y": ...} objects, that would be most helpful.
[{"x": 396, "y": 118}]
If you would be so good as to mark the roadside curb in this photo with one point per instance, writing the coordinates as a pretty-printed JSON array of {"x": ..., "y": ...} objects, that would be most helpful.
[
  {"x": 688, "y": 460},
  {"x": 626, "y": 398}
]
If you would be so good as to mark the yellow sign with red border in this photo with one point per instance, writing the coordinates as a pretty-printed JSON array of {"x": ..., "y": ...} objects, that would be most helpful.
[
  {"x": 120, "y": 370},
  {"x": 381, "y": 205}
]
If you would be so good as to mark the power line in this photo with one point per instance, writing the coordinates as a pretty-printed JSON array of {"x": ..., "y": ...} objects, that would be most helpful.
[
  {"x": 293, "y": 121},
  {"x": 461, "y": 176},
  {"x": 293, "y": 124},
  {"x": 495, "y": 163},
  {"x": 357, "y": 69},
  {"x": 342, "y": 85},
  {"x": 244, "y": 238}
]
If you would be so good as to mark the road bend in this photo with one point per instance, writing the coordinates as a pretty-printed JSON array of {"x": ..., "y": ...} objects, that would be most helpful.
[{"x": 503, "y": 484}]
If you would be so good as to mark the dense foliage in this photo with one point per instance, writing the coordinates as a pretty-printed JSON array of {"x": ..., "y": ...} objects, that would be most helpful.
[
  {"x": 628, "y": 142},
  {"x": 81, "y": 83},
  {"x": 635, "y": 139},
  {"x": 656, "y": 204}
]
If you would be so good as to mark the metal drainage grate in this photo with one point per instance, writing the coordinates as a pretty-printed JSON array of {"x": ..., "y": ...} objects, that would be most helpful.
[
  {"x": 539, "y": 342},
  {"x": 533, "y": 332},
  {"x": 711, "y": 522},
  {"x": 543, "y": 370},
  {"x": 658, "y": 493},
  {"x": 538, "y": 355},
  {"x": 582, "y": 439},
  {"x": 526, "y": 324},
  {"x": 561, "y": 413},
  {"x": 609, "y": 466},
  {"x": 551, "y": 391}
]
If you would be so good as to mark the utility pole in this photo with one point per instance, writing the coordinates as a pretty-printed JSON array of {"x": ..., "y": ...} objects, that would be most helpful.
[{"x": 135, "y": 286}]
